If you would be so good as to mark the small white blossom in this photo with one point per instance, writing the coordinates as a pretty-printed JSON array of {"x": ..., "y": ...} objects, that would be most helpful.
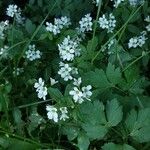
[
  {"x": 108, "y": 24},
  {"x": 68, "y": 49},
  {"x": 14, "y": 11},
  {"x": 42, "y": 93},
  {"x": 32, "y": 53},
  {"x": 59, "y": 23},
  {"x": 137, "y": 41},
  {"x": 147, "y": 19},
  {"x": 3, "y": 50},
  {"x": 77, "y": 95},
  {"x": 117, "y": 2},
  {"x": 74, "y": 70},
  {"x": 18, "y": 71},
  {"x": 77, "y": 82},
  {"x": 3, "y": 27},
  {"x": 87, "y": 92},
  {"x": 148, "y": 27},
  {"x": 41, "y": 89},
  {"x": 64, "y": 113},
  {"x": 39, "y": 84},
  {"x": 52, "y": 113},
  {"x": 86, "y": 23},
  {"x": 65, "y": 72},
  {"x": 53, "y": 81}
]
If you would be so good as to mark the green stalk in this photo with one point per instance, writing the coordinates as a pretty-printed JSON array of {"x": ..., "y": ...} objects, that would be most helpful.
[{"x": 125, "y": 24}]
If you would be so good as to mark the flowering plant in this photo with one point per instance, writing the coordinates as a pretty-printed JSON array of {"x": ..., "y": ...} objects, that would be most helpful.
[{"x": 75, "y": 82}]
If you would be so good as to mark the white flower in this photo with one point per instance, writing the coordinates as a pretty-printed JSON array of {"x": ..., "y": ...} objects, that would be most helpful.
[
  {"x": 59, "y": 23},
  {"x": 137, "y": 41},
  {"x": 39, "y": 84},
  {"x": 64, "y": 113},
  {"x": 108, "y": 24},
  {"x": 3, "y": 50},
  {"x": 3, "y": 27},
  {"x": 87, "y": 92},
  {"x": 52, "y": 113},
  {"x": 103, "y": 22},
  {"x": 14, "y": 11},
  {"x": 52, "y": 28},
  {"x": 77, "y": 82},
  {"x": 77, "y": 95},
  {"x": 74, "y": 70},
  {"x": 41, "y": 89},
  {"x": 62, "y": 22},
  {"x": 18, "y": 71},
  {"x": 42, "y": 92},
  {"x": 32, "y": 53},
  {"x": 147, "y": 19},
  {"x": 86, "y": 23},
  {"x": 53, "y": 81},
  {"x": 148, "y": 27},
  {"x": 117, "y": 2},
  {"x": 68, "y": 49},
  {"x": 65, "y": 72}
]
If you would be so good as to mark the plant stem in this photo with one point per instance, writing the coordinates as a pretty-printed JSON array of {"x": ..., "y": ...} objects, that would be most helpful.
[{"x": 131, "y": 16}]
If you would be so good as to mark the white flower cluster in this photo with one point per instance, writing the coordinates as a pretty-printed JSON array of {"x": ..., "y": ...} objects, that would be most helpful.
[
  {"x": 85, "y": 23},
  {"x": 18, "y": 71},
  {"x": 108, "y": 24},
  {"x": 68, "y": 49},
  {"x": 79, "y": 96},
  {"x": 96, "y": 2},
  {"x": 3, "y": 50},
  {"x": 32, "y": 53},
  {"x": 136, "y": 2},
  {"x": 3, "y": 27},
  {"x": 41, "y": 89},
  {"x": 147, "y": 19},
  {"x": 66, "y": 71},
  {"x": 109, "y": 48},
  {"x": 59, "y": 23},
  {"x": 14, "y": 11},
  {"x": 117, "y": 2},
  {"x": 52, "y": 113},
  {"x": 137, "y": 41}
]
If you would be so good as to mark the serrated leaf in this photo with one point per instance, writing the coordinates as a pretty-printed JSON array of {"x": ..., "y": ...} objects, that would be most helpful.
[
  {"x": 113, "y": 74},
  {"x": 138, "y": 125},
  {"x": 95, "y": 131},
  {"x": 97, "y": 79},
  {"x": 83, "y": 141},
  {"x": 113, "y": 112}
]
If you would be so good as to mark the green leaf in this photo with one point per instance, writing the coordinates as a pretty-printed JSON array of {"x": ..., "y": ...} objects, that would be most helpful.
[
  {"x": 30, "y": 27},
  {"x": 83, "y": 141},
  {"x": 113, "y": 75},
  {"x": 138, "y": 125},
  {"x": 95, "y": 131},
  {"x": 71, "y": 132},
  {"x": 112, "y": 146},
  {"x": 113, "y": 112},
  {"x": 14, "y": 144},
  {"x": 55, "y": 94},
  {"x": 97, "y": 79},
  {"x": 93, "y": 118}
]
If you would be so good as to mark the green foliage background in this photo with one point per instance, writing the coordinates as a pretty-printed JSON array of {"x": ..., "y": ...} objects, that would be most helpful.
[{"x": 118, "y": 116}]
